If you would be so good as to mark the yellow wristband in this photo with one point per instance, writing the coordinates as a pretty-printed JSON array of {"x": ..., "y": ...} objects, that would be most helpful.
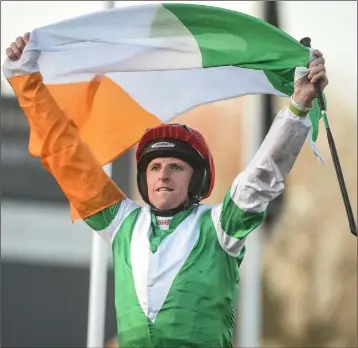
[{"x": 296, "y": 111}]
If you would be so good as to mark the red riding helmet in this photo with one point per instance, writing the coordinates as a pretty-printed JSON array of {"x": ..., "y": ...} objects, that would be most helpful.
[{"x": 179, "y": 141}]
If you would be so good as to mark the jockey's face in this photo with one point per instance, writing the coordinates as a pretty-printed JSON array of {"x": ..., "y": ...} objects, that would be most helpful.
[{"x": 168, "y": 182}]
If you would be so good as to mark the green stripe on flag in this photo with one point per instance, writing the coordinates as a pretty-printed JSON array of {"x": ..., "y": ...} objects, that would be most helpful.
[{"x": 230, "y": 38}]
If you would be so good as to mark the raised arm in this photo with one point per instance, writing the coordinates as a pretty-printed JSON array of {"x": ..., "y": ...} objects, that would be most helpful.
[
  {"x": 81, "y": 177},
  {"x": 245, "y": 203}
]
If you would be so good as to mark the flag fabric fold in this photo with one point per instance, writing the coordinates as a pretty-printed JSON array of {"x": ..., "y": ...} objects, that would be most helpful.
[{"x": 117, "y": 72}]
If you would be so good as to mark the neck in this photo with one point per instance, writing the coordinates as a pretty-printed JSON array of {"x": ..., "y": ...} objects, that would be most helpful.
[{"x": 171, "y": 212}]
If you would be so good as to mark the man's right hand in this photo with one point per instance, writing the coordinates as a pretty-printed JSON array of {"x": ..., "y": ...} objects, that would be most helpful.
[{"x": 14, "y": 51}]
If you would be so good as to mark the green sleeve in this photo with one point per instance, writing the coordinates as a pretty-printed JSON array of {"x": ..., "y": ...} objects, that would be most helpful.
[
  {"x": 102, "y": 219},
  {"x": 236, "y": 222},
  {"x": 108, "y": 221},
  {"x": 233, "y": 224}
]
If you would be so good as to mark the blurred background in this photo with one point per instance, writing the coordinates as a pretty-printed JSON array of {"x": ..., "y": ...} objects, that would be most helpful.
[{"x": 308, "y": 262}]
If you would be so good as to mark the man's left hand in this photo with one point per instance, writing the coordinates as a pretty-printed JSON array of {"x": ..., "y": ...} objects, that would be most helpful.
[{"x": 304, "y": 91}]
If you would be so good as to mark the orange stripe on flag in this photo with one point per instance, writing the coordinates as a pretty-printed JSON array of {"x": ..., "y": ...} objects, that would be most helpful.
[
  {"x": 110, "y": 121},
  {"x": 75, "y": 99}
]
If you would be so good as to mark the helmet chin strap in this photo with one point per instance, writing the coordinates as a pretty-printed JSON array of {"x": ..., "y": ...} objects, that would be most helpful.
[{"x": 189, "y": 203}]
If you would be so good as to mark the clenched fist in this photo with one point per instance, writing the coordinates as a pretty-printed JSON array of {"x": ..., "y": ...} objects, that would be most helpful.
[{"x": 305, "y": 92}]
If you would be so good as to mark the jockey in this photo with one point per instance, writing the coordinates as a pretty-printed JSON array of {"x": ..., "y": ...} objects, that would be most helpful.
[{"x": 176, "y": 260}]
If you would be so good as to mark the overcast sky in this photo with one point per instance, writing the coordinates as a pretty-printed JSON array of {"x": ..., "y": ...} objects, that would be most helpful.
[{"x": 332, "y": 25}]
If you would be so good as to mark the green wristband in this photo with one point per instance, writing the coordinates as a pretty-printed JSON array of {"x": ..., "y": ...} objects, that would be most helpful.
[{"x": 297, "y": 112}]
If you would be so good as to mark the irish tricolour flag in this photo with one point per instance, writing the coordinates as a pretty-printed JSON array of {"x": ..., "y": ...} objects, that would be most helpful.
[{"x": 118, "y": 72}]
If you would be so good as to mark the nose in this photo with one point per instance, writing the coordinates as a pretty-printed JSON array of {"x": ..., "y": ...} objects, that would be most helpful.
[{"x": 163, "y": 174}]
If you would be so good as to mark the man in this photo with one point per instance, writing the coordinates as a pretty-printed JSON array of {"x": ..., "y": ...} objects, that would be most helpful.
[{"x": 175, "y": 260}]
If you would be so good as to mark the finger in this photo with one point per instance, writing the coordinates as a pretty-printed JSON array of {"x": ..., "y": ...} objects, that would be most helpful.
[
  {"x": 26, "y": 37},
  {"x": 323, "y": 83},
  {"x": 319, "y": 76},
  {"x": 302, "y": 81},
  {"x": 20, "y": 43},
  {"x": 15, "y": 50},
  {"x": 315, "y": 70},
  {"x": 10, "y": 54},
  {"x": 316, "y": 53},
  {"x": 317, "y": 61}
]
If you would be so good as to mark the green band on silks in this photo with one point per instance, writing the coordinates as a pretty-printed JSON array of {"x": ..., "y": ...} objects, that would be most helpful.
[{"x": 296, "y": 111}]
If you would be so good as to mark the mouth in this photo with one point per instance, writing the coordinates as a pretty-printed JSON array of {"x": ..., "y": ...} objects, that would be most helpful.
[{"x": 164, "y": 189}]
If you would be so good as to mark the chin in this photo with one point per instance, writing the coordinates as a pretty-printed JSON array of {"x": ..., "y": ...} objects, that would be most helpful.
[{"x": 165, "y": 206}]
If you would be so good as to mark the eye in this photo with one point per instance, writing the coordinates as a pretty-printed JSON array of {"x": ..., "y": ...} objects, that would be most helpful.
[
  {"x": 175, "y": 166},
  {"x": 154, "y": 168}
]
